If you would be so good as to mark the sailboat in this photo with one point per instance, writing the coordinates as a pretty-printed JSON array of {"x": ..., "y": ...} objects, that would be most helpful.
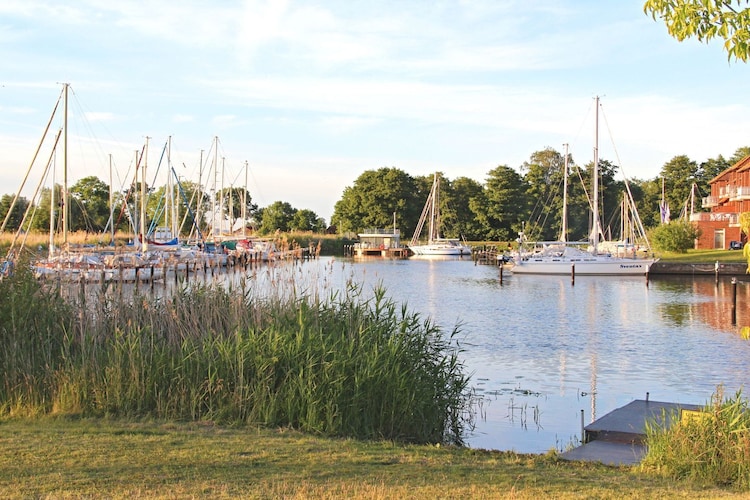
[
  {"x": 435, "y": 244},
  {"x": 563, "y": 258}
]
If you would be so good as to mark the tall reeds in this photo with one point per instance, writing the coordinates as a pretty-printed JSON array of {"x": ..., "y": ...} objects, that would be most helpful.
[
  {"x": 712, "y": 447},
  {"x": 341, "y": 366}
]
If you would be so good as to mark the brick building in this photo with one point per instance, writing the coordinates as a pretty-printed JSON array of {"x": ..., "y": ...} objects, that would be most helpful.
[{"x": 730, "y": 196}]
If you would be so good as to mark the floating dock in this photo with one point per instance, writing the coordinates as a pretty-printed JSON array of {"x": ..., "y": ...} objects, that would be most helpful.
[{"x": 618, "y": 438}]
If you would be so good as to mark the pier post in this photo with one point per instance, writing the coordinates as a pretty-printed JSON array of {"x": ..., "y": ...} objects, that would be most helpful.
[
  {"x": 716, "y": 273},
  {"x": 501, "y": 274},
  {"x": 734, "y": 301},
  {"x": 572, "y": 274},
  {"x": 583, "y": 429}
]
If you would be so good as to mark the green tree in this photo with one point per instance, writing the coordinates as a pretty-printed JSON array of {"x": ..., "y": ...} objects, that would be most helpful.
[
  {"x": 374, "y": 199},
  {"x": 16, "y": 215},
  {"x": 679, "y": 174},
  {"x": 89, "y": 205},
  {"x": 307, "y": 220},
  {"x": 503, "y": 208},
  {"x": 677, "y": 236},
  {"x": 739, "y": 154},
  {"x": 463, "y": 191},
  {"x": 544, "y": 175},
  {"x": 277, "y": 216},
  {"x": 706, "y": 20}
]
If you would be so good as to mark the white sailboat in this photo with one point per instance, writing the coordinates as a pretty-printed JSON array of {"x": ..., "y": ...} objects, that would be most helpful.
[
  {"x": 435, "y": 244},
  {"x": 564, "y": 258}
]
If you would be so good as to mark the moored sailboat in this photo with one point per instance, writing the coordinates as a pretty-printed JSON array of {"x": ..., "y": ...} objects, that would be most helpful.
[
  {"x": 436, "y": 245},
  {"x": 564, "y": 258}
]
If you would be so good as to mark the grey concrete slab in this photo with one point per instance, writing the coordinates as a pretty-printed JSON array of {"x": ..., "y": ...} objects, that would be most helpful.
[
  {"x": 632, "y": 417},
  {"x": 607, "y": 453}
]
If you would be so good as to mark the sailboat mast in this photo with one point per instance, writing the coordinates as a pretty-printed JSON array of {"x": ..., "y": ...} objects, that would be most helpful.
[
  {"x": 111, "y": 204},
  {"x": 144, "y": 243},
  {"x": 244, "y": 204},
  {"x": 65, "y": 204},
  {"x": 595, "y": 211},
  {"x": 564, "y": 229}
]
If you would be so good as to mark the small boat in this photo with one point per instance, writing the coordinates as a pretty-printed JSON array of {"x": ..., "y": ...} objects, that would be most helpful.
[{"x": 436, "y": 245}]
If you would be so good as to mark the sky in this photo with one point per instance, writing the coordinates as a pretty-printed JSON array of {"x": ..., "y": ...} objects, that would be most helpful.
[{"x": 310, "y": 94}]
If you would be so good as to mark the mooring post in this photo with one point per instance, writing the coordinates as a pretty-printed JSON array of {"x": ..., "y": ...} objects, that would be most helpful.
[
  {"x": 734, "y": 301},
  {"x": 501, "y": 273},
  {"x": 583, "y": 430},
  {"x": 716, "y": 272},
  {"x": 572, "y": 274}
]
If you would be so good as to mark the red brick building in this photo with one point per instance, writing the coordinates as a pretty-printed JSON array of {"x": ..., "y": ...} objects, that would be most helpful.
[{"x": 730, "y": 196}]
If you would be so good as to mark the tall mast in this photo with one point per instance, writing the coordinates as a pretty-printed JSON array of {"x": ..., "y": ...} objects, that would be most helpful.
[
  {"x": 564, "y": 229},
  {"x": 595, "y": 212},
  {"x": 65, "y": 204},
  {"x": 111, "y": 205},
  {"x": 144, "y": 243},
  {"x": 244, "y": 204}
]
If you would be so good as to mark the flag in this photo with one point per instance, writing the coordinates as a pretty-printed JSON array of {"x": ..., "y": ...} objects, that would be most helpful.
[{"x": 664, "y": 210}]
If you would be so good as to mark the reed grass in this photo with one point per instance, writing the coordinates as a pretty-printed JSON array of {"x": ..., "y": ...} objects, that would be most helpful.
[
  {"x": 713, "y": 448},
  {"x": 339, "y": 366}
]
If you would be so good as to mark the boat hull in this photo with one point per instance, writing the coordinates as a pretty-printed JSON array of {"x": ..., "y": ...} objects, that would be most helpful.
[
  {"x": 454, "y": 250},
  {"x": 584, "y": 267}
]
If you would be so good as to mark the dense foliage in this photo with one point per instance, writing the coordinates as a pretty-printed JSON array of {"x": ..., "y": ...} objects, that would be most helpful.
[
  {"x": 677, "y": 236},
  {"x": 342, "y": 366},
  {"x": 706, "y": 20},
  {"x": 507, "y": 201}
]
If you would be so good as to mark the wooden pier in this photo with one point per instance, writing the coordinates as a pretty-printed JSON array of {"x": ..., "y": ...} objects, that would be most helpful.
[{"x": 618, "y": 438}]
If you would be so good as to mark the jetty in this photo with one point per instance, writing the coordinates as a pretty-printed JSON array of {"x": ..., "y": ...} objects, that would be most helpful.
[{"x": 618, "y": 438}]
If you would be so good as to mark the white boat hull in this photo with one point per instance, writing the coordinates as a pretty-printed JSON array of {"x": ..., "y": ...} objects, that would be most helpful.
[
  {"x": 454, "y": 250},
  {"x": 593, "y": 266}
]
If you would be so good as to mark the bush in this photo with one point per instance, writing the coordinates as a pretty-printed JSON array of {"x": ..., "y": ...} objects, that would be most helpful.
[
  {"x": 712, "y": 449},
  {"x": 677, "y": 236}
]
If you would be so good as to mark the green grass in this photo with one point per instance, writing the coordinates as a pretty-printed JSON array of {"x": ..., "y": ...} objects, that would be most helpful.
[
  {"x": 702, "y": 256},
  {"x": 95, "y": 458},
  {"x": 712, "y": 448}
]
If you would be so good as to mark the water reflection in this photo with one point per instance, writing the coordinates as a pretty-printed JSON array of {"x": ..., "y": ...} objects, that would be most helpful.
[{"x": 540, "y": 349}]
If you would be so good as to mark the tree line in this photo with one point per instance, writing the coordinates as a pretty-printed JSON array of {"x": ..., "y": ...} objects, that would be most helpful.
[
  {"x": 528, "y": 199},
  {"x": 188, "y": 205}
]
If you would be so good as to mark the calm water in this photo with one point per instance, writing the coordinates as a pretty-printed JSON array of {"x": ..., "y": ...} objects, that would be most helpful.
[{"x": 540, "y": 350}]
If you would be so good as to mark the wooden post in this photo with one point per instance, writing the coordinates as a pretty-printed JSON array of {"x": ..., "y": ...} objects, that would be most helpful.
[
  {"x": 501, "y": 273},
  {"x": 716, "y": 273},
  {"x": 734, "y": 301},
  {"x": 572, "y": 274},
  {"x": 583, "y": 430}
]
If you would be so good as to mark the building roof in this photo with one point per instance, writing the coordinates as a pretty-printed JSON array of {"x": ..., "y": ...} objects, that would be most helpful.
[{"x": 741, "y": 166}]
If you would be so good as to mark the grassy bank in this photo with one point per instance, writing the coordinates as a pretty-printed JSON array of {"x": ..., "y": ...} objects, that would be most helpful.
[{"x": 64, "y": 458}]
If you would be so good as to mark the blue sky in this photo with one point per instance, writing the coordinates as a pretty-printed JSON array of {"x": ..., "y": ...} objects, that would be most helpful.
[{"x": 313, "y": 93}]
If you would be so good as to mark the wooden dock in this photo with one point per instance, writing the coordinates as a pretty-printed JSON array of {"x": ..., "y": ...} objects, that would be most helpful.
[{"x": 618, "y": 437}]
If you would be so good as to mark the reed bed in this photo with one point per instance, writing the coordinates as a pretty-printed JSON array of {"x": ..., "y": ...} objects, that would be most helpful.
[
  {"x": 341, "y": 365},
  {"x": 713, "y": 447}
]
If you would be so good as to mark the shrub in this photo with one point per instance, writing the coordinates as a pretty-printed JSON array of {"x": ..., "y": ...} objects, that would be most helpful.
[
  {"x": 677, "y": 236},
  {"x": 712, "y": 449}
]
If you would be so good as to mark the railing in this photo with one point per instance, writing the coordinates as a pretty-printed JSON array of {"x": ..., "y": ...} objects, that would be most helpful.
[
  {"x": 730, "y": 217},
  {"x": 710, "y": 201},
  {"x": 741, "y": 193}
]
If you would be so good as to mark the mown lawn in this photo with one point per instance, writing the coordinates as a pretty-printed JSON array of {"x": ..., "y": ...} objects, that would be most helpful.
[{"x": 73, "y": 458}]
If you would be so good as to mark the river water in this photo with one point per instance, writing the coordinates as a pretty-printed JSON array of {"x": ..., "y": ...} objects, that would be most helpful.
[{"x": 541, "y": 349}]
